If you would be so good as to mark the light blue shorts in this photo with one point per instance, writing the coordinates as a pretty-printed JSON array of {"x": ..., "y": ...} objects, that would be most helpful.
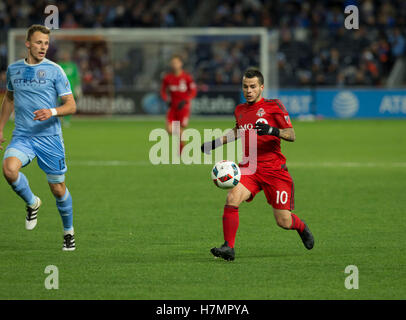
[{"x": 49, "y": 151}]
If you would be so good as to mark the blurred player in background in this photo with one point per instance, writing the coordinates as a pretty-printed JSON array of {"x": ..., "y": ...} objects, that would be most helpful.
[
  {"x": 33, "y": 87},
  {"x": 270, "y": 120},
  {"x": 178, "y": 89},
  {"x": 72, "y": 72}
]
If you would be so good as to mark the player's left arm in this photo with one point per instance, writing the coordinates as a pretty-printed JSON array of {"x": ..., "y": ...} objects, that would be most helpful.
[
  {"x": 192, "y": 90},
  {"x": 163, "y": 90},
  {"x": 68, "y": 107},
  {"x": 284, "y": 129},
  {"x": 287, "y": 134}
]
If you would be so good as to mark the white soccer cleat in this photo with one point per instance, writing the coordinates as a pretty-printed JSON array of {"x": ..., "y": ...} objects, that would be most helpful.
[
  {"x": 69, "y": 242},
  {"x": 32, "y": 211}
]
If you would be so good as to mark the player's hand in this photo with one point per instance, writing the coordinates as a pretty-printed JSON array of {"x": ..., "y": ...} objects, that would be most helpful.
[
  {"x": 1, "y": 140},
  {"x": 42, "y": 114},
  {"x": 168, "y": 102},
  {"x": 266, "y": 129},
  {"x": 207, "y": 147},
  {"x": 181, "y": 104}
]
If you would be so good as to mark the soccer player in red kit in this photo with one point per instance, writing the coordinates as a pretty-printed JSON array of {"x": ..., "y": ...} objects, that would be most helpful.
[
  {"x": 270, "y": 121},
  {"x": 182, "y": 89}
]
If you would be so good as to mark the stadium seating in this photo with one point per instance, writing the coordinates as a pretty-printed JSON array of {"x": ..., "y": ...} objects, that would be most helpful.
[{"x": 314, "y": 47}]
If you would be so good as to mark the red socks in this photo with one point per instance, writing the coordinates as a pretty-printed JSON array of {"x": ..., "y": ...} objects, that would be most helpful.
[
  {"x": 230, "y": 224},
  {"x": 231, "y": 221},
  {"x": 297, "y": 224}
]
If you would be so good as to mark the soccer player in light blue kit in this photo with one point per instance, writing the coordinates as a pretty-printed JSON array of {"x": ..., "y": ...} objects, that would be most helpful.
[{"x": 33, "y": 87}]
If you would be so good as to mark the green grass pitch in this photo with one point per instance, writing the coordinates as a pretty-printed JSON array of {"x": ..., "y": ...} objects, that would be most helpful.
[{"x": 144, "y": 231}]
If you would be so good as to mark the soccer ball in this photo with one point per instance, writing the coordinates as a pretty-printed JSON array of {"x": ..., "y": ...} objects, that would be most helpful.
[{"x": 226, "y": 174}]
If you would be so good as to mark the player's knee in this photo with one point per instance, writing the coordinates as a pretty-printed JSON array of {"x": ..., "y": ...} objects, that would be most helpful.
[
  {"x": 233, "y": 199},
  {"x": 10, "y": 171},
  {"x": 58, "y": 189}
]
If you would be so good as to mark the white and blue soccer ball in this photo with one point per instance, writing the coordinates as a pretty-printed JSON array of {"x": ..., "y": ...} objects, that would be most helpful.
[{"x": 226, "y": 174}]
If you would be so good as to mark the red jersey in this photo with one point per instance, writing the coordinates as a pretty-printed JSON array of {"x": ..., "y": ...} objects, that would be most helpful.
[
  {"x": 180, "y": 88},
  {"x": 272, "y": 112}
]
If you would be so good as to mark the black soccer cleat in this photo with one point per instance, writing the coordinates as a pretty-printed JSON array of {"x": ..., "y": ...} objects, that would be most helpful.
[
  {"x": 307, "y": 237},
  {"x": 68, "y": 242},
  {"x": 224, "y": 252}
]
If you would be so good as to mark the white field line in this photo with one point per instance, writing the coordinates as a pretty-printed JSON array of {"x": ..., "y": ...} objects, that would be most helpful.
[
  {"x": 121, "y": 163},
  {"x": 348, "y": 164}
]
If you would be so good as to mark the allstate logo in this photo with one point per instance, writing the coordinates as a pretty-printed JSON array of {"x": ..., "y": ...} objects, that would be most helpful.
[{"x": 345, "y": 104}]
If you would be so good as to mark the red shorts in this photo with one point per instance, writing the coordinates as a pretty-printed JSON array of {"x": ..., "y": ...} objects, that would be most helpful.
[
  {"x": 181, "y": 115},
  {"x": 277, "y": 185}
]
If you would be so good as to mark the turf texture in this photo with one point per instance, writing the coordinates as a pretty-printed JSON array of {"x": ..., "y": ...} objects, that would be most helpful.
[{"x": 144, "y": 231}]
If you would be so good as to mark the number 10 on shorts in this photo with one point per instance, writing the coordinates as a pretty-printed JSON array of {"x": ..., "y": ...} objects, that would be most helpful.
[{"x": 281, "y": 197}]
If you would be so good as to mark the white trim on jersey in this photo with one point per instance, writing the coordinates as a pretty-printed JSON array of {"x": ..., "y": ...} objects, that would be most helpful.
[
  {"x": 65, "y": 94},
  {"x": 33, "y": 64}
]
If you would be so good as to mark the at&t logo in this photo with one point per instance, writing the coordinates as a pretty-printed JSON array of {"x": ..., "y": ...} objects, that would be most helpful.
[{"x": 345, "y": 104}]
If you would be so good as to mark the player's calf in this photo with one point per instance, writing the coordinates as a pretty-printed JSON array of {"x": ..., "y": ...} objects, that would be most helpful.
[
  {"x": 284, "y": 221},
  {"x": 58, "y": 189},
  {"x": 65, "y": 207},
  {"x": 289, "y": 221},
  {"x": 22, "y": 188}
]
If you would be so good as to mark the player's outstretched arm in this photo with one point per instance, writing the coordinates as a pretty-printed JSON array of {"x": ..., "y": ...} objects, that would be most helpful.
[
  {"x": 7, "y": 107},
  {"x": 287, "y": 134},
  {"x": 228, "y": 137},
  {"x": 68, "y": 107}
]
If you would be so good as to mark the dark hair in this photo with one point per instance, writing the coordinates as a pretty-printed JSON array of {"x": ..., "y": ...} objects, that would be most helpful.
[
  {"x": 252, "y": 73},
  {"x": 34, "y": 28},
  {"x": 177, "y": 56}
]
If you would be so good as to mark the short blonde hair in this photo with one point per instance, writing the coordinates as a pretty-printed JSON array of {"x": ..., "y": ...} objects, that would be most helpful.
[
  {"x": 34, "y": 28},
  {"x": 177, "y": 56}
]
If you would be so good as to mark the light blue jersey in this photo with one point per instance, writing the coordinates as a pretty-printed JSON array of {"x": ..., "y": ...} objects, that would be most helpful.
[{"x": 36, "y": 86}]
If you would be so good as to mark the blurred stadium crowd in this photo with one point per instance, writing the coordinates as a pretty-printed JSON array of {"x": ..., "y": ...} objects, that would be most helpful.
[{"x": 314, "y": 47}]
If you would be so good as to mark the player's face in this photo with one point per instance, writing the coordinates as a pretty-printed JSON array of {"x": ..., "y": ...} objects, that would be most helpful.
[
  {"x": 176, "y": 64},
  {"x": 37, "y": 46},
  {"x": 252, "y": 90}
]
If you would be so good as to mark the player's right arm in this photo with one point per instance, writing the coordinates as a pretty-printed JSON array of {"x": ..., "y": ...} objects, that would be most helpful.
[
  {"x": 230, "y": 136},
  {"x": 7, "y": 107},
  {"x": 63, "y": 89}
]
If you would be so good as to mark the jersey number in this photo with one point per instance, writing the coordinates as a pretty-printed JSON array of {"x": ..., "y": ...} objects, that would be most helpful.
[
  {"x": 281, "y": 197},
  {"x": 62, "y": 164}
]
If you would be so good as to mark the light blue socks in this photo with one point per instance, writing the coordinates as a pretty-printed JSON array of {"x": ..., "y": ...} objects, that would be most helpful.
[
  {"x": 22, "y": 188},
  {"x": 65, "y": 208}
]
